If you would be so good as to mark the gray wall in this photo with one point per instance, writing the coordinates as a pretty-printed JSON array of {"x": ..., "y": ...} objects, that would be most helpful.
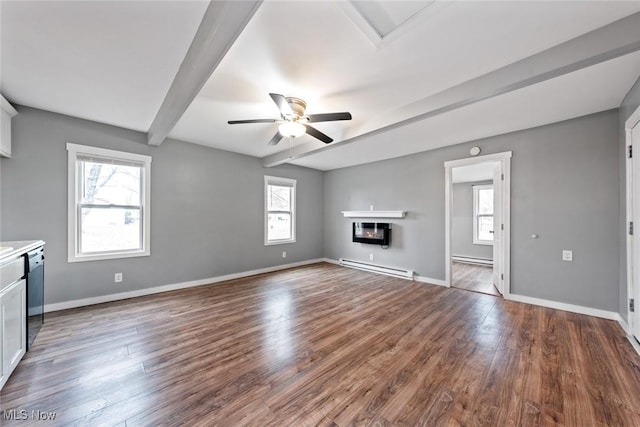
[
  {"x": 206, "y": 217},
  {"x": 629, "y": 104},
  {"x": 462, "y": 223},
  {"x": 564, "y": 188}
]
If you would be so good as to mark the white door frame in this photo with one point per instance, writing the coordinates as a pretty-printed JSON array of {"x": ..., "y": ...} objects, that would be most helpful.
[
  {"x": 631, "y": 122},
  {"x": 504, "y": 160}
]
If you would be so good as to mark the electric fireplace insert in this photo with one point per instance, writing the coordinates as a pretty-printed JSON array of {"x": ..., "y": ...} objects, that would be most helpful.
[{"x": 375, "y": 233}]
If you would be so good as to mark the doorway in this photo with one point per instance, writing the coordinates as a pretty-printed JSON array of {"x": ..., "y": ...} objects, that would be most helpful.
[
  {"x": 477, "y": 215},
  {"x": 632, "y": 131}
]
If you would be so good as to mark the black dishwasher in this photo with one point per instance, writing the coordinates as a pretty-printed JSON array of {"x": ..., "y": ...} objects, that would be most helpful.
[{"x": 34, "y": 264}]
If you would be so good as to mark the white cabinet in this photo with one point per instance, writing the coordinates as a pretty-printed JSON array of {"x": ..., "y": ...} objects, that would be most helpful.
[
  {"x": 6, "y": 114},
  {"x": 13, "y": 316},
  {"x": 13, "y": 303}
]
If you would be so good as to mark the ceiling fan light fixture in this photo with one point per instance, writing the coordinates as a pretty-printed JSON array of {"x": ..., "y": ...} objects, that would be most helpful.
[{"x": 292, "y": 129}]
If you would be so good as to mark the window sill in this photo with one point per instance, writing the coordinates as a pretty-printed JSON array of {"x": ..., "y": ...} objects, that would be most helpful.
[
  {"x": 113, "y": 255},
  {"x": 483, "y": 242},
  {"x": 279, "y": 242}
]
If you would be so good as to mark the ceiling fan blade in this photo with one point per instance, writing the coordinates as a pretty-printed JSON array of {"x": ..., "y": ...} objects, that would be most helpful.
[
  {"x": 282, "y": 104},
  {"x": 317, "y": 134},
  {"x": 328, "y": 117},
  {"x": 276, "y": 138},
  {"x": 236, "y": 122}
]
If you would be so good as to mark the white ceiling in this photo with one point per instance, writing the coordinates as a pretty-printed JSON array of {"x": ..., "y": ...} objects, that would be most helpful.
[
  {"x": 107, "y": 61},
  {"x": 113, "y": 62}
]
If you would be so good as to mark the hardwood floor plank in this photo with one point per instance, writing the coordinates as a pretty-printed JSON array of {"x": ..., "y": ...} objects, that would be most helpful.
[{"x": 326, "y": 345}]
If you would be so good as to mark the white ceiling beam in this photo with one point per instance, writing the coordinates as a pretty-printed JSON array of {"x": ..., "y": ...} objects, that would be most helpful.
[
  {"x": 603, "y": 44},
  {"x": 221, "y": 25}
]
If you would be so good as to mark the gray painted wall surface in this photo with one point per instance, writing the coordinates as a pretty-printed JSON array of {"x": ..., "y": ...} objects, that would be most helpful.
[
  {"x": 629, "y": 104},
  {"x": 207, "y": 208},
  {"x": 462, "y": 223},
  {"x": 564, "y": 188}
]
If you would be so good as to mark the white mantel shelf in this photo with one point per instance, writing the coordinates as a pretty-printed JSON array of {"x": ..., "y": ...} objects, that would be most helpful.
[{"x": 374, "y": 214}]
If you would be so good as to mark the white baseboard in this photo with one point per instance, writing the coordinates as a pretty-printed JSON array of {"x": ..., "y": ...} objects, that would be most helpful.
[
  {"x": 611, "y": 315},
  {"x": 430, "y": 281},
  {"x": 623, "y": 324},
  {"x": 627, "y": 330},
  {"x": 172, "y": 287},
  {"x": 331, "y": 261}
]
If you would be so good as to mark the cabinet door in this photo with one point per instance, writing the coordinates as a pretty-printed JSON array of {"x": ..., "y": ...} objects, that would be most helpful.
[
  {"x": 13, "y": 318},
  {"x": 5, "y": 134}
]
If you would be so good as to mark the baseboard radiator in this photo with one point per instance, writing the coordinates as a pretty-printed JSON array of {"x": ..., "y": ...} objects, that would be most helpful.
[
  {"x": 375, "y": 268},
  {"x": 470, "y": 260}
]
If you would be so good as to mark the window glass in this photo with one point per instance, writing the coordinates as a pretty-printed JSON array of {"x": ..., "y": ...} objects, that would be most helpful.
[
  {"x": 279, "y": 210},
  {"x": 109, "y": 204}
]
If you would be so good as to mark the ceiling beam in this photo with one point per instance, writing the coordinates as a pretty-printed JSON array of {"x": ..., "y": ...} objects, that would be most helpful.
[
  {"x": 222, "y": 23},
  {"x": 603, "y": 44}
]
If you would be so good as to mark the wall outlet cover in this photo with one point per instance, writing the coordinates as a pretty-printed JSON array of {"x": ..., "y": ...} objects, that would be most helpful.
[
  {"x": 567, "y": 255},
  {"x": 117, "y": 278}
]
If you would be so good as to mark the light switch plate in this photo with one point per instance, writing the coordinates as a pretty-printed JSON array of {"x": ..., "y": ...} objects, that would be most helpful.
[{"x": 567, "y": 255}]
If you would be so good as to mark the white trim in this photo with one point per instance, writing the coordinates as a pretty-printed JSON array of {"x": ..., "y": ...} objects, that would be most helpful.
[
  {"x": 6, "y": 106},
  {"x": 596, "y": 312},
  {"x": 374, "y": 214},
  {"x": 623, "y": 324},
  {"x": 172, "y": 287},
  {"x": 629, "y": 124},
  {"x": 287, "y": 182},
  {"x": 331, "y": 261},
  {"x": 73, "y": 150},
  {"x": 476, "y": 189},
  {"x": 471, "y": 260},
  {"x": 497, "y": 157},
  {"x": 504, "y": 160},
  {"x": 430, "y": 281}
]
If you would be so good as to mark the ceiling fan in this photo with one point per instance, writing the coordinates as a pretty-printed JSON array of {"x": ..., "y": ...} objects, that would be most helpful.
[{"x": 293, "y": 121}]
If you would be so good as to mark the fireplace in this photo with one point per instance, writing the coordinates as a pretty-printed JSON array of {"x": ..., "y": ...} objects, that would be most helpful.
[{"x": 375, "y": 233}]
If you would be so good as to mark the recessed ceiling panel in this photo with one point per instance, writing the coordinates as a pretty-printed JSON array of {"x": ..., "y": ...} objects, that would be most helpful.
[{"x": 386, "y": 16}]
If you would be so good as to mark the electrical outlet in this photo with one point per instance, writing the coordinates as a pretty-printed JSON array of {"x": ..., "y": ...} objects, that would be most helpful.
[
  {"x": 370, "y": 257},
  {"x": 284, "y": 254},
  {"x": 371, "y": 207},
  {"x": 567, "y": 255},
  {"x": 117, "y": 278}
]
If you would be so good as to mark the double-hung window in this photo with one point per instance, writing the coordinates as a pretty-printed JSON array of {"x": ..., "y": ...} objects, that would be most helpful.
[
  {"x": 483, "y": 214},
  {"x": 109, "y": 204},
  {"x": 280, "y": 210}
]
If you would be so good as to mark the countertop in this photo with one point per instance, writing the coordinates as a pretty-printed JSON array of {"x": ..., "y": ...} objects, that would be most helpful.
[{"x": 17, "y": 248}]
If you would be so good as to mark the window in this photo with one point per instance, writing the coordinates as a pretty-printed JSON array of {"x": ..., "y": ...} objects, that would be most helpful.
[
  {"x": 109, "y": 201},
  {"x": 483, "y": 214},
  {"x": 280, "y": 207}
]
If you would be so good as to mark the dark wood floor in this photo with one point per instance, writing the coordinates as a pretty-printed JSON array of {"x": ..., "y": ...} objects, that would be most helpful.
[
  {"x": 327, "y": 345},
  {"x": 473, "y": 277}
]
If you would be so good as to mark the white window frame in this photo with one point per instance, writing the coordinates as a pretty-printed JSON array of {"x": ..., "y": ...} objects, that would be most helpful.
[
  {"x": 273, "y": 180},
  {"x": 74, "y": 198},
  {"x": 476, "y": 189}
]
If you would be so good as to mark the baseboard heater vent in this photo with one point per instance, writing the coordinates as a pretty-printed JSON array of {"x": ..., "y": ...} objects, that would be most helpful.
[
  {"x": 470, "y": 260},
  {"x": 389, "y": 271}
]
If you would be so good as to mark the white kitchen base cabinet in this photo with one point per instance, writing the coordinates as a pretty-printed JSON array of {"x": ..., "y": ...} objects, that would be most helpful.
[{"x": 13, "y": 303}]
